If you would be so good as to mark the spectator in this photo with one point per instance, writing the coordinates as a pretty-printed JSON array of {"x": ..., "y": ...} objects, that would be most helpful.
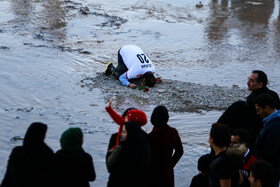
[
  {"x": 257, "y": 84},
  {"x": 201, "y": 179},
  {"x": 243, "y": 114},
  {"x": 75, "y": 166},
  {"x": 261, "y": 174},
  {"x": 239, "y": 149},
  {"x": 133, "y": 64},
  {"x": 33, "y": 163},
  {"x": 134, "y": 115},
  {"x": 129, "y": 163},
  {"x": 268, "y": 143},
  {"x": 222, "y": 170},
  {"x": 166, "y": 149}
]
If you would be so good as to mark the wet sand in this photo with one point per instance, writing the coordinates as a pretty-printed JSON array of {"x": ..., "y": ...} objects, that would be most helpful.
[{"x": 176, "y": 95}]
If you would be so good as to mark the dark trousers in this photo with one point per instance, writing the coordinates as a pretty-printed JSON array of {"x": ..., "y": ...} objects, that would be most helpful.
[{"x": 121, "y": 68}]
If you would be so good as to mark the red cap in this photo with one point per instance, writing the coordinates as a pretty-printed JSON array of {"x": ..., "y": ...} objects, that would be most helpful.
[{"x": 138, "y": 116}]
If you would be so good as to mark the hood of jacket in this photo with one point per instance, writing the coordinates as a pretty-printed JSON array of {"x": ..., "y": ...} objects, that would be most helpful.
[
  {"x": 160, "y": 116},
  {"x": 72, "y": 139}
]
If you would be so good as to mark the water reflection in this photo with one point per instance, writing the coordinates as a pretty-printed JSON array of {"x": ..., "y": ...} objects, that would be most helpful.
[
  {"x": 241, "y": 31},
  {"x": 250, "y": 15},
  {"x": 55, "y": 14},
  {"x": 218, "y": 14},
  {"x": 54, "y": 19},
  {"x": 23, "y": 9},
  {"x": 46, "y": 19}
]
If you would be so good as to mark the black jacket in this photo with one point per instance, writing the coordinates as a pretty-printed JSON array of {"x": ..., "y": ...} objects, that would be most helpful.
[
  {"x": 132, "y": 165},
  {"x": 30, "y": 167},
  {"x": 75, "y": 168},
  {"x": 264, "y": 90},
  {"x": 257, "y": 123},
  {"x": 32, "y": 164}
]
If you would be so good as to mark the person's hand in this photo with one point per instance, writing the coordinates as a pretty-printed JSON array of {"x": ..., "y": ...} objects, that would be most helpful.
[
  {"x": 131, "y": 85},
  {"x": 158, "y": 80},
  {"x": 110, "y": 103}
]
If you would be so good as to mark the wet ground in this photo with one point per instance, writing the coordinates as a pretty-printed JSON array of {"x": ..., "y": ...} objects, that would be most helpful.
[{"x": 48, "y": 47}]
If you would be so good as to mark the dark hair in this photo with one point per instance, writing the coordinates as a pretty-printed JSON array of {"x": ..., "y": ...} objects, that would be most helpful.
[
  {"x": 262, "y": 77},
  {"x": 263, "y": 171},
  {"x": 133, "y": 131},
  {"x": 244, "y": 136},
  {"x": 204, "y": 162},
  {"x": 265, "y": 99},
  {"x": 125, "y": 112},
  {"x": 220, "y": 134},
  {"x": 150, "y": 79}
]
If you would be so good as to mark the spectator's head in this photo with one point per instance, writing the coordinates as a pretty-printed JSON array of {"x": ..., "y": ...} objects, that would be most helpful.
[
  {"x": 137, "y": 116},
  {"x": 256, "y": 80},
  {"x": 239, "y": 142},
  {"x": 135, "y": 144},
  {"x": 261, "y": 174},
  {"x": 125, "y": 112},
  {"x": 203, "y": 163},
  {"x": 35, "y": 134},
  {"x": 219, "y": 135},
  {"x": 240, "y": 136},
  {"x": 131, "y": 132},
  {"x": 159, "y": 116},
  {"x": 72, "y": 139},
  {"x": 265, "y": 105},
  {"x": 124, "y": 133},
  {"x": 149, "y": 79}
]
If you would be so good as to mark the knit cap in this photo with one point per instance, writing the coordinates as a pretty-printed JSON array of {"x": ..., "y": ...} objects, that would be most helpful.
[
  {"x": 72, "y": 139},
  {"x": 138, "y": 116}
]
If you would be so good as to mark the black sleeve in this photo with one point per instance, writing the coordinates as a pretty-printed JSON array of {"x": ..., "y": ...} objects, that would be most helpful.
[
  {"x": 8, "y": 180},
  {"x": 276, "y": 99},
  {"x": 91, "y": 170},
  {"x": 113, "y": 140},
  {"x": 225, "y": 169},
  {"x": 178, "y": 150}
]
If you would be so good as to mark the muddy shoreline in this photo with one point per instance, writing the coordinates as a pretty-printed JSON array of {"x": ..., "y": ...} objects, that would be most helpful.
[{"x": 177, "y": 96}]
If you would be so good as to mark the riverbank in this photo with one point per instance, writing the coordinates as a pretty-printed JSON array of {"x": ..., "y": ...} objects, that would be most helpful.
[
  {"x": 177, "y": 96},
  {"x": 53, "y": 53}
]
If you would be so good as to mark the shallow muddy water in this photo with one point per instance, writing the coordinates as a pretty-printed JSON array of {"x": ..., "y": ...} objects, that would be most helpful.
[{"x": 47, "y": 47}]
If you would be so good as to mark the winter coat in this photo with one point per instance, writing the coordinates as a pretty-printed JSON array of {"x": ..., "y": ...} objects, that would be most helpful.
[
  {"x": 268, "y": 143},
  {"x": 32, "y": 164},
  {"x": 74, "y": 166},
  {"x": 112, "y": 143},
  {"x": 263, "y": 90},
  {"x": 223, "y": 167},
  {"x": 164, "y": 140},
  {"x": 132, "y": 164},
  {"x": 256, "y": 119}
]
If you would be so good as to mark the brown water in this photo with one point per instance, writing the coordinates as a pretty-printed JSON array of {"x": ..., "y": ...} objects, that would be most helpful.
[{"x": 46, "y": 47}]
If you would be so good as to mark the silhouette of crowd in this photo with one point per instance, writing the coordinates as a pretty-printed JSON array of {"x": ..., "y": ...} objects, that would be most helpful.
[{"x": 244, "y": 142}]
